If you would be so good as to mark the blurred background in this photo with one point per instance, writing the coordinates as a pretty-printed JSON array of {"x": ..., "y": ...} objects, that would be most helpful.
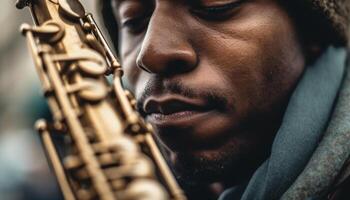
[{"x": 24, "y": 172}]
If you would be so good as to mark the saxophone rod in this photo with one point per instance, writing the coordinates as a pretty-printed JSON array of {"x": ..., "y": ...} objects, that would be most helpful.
[
  {"x": 98, "y": 178},
  {"x": 113, "y": 60},
  {"x": 169, "y": 179},
  {"x": 42, "y": 128}
]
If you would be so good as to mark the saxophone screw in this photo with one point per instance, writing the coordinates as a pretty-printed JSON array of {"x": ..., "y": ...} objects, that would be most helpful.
[
  {"x": 24, "y": 28},
  {"x": 87, "y": 26},
  {"x": 40, "y": 125}
]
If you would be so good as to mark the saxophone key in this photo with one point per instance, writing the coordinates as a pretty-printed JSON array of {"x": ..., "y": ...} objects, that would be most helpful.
[
  {"x": 100, "y": 147},
  {"x": 72, "y": 162},
  {"x": 145, "y": 189},
  {"x": 107, "y": 159},
  {"x": 51, "y": 31},
  {"x": 93, "y": 43},
  {"x": 86, "y": 194},
  {"x": 88, "y": 89},
  {"x": 81, "y": 174},
  {"x": 118, "y": 184},
  {"x": 72, "y": 8},
  {"x": 131, "y": 168},
  {"x": 87, "y": 26}
]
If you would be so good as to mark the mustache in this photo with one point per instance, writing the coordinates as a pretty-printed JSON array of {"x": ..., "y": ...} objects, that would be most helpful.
[{"x": 211, "y": 95}]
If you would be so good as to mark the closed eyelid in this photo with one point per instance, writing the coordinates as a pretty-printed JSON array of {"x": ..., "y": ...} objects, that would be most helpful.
[
  {"x": 130, "y": 8},
  {"x": 214, "y": 3}
]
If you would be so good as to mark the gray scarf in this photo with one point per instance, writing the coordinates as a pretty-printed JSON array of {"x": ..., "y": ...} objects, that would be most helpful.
[{"x": 302, "y": 129}]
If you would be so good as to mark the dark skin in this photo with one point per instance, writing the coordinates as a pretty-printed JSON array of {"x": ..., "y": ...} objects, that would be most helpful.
[{"x": 213, "y": 77}]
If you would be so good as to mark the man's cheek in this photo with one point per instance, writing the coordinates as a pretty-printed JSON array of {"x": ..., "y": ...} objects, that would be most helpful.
[{"x": 131, "y": 71}]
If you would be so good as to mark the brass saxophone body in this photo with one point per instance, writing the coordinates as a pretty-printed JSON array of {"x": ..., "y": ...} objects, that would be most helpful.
[{"x": 110, "y": 150}]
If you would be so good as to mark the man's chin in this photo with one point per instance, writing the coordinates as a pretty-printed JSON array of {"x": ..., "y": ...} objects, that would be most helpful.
[
  {"x": 197, "y": 170},
  {"x": 206, "y": 167},
  {"x": 229, "y": 160}
]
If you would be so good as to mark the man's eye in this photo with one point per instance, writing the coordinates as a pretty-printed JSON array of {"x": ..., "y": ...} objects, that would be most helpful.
[
  {"x": 137, "y": 24},
  {"x": 216, "y": 11}
]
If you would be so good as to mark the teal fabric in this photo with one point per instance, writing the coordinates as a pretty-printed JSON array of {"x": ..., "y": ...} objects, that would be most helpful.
[
  {"x": 305, "y": 120},
  {"x": 325, "y": 169}
]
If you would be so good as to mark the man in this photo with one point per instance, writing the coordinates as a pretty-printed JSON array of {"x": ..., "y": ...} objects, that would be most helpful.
[{"x": 247, "y": 97}]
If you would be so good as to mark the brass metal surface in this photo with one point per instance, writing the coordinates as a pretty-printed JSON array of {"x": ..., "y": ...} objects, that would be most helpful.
[{"x": 110, "y": 151}]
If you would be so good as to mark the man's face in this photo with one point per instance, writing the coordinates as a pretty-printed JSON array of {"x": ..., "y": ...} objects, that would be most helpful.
[{"x": 212, "y": 76}]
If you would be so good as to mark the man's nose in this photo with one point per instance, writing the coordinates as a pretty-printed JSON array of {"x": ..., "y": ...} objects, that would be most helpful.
[{"x": 165, "y": 49}]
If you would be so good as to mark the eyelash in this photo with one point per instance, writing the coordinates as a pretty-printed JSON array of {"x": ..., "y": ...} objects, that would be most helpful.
[
  {"x": 135, "y": 25},
  {"x": 215, "y": 11}
]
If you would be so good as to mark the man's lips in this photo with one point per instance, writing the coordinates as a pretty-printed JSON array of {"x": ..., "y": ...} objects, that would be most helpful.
[
  {"x": 185, "y": 123},
  {"x": 175, "y": 110}
]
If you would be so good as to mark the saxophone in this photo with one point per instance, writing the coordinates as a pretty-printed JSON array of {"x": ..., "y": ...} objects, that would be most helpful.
[{"x": 109, "y": 151}]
